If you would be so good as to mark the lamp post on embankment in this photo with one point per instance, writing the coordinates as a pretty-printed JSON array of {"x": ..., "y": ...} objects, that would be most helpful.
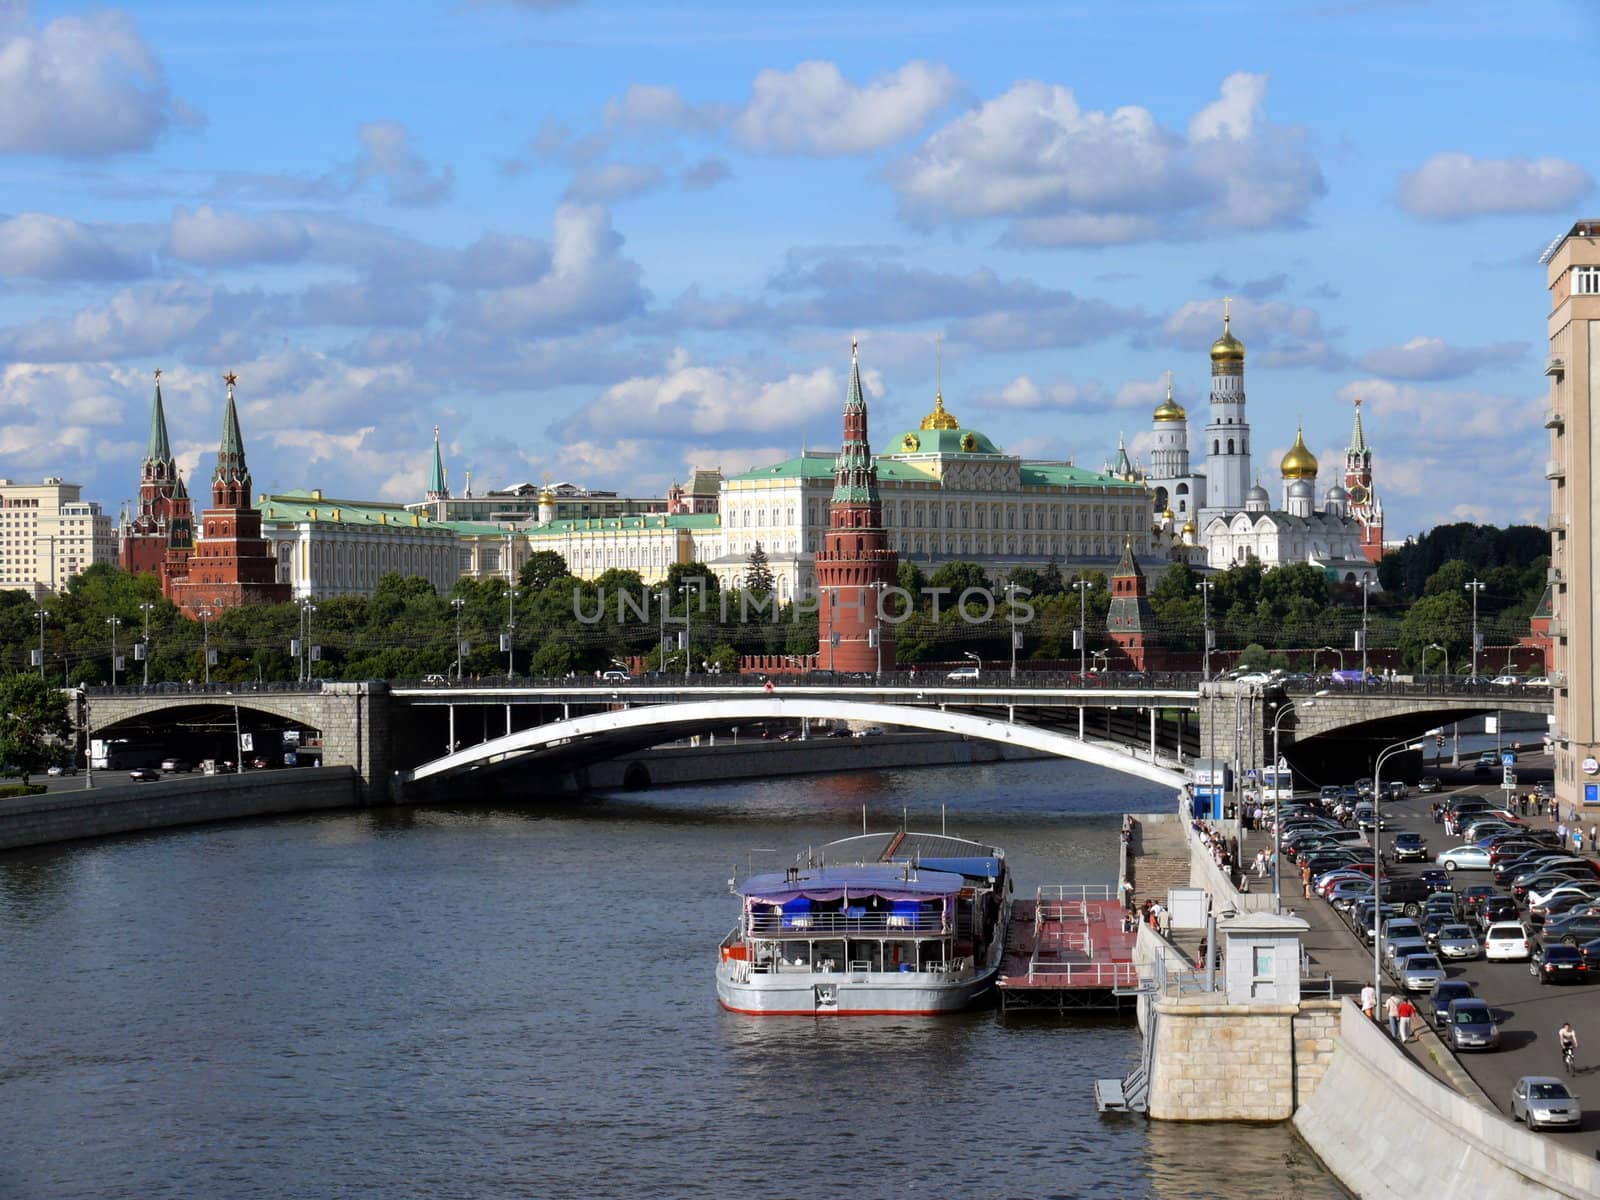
[
  {"x": 1377, "y": 862},
  {"x": 1277, "y": 788}
]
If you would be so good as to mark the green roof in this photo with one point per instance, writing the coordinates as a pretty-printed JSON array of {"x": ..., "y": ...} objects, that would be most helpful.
[
  {"x": 941, "y": 441},
  {"x": 159, "y": 449},
  {"x": 819, "y": 467},
  {"x": 1065, "y": 475},
  {"x": 294, "y": 507}
]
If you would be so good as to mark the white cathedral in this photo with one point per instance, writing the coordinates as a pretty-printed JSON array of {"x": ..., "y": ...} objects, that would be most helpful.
[{"x": 1231, "y": 520}]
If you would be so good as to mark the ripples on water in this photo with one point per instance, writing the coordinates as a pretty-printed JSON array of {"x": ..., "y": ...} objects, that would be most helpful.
[{"x": 474, "y": 1002}]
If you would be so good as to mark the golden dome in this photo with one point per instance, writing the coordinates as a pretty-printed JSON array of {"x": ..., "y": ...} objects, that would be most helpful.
[
  {"x": 939, "y": 418},
  {"x": 1227, "y": 350},
  {"x": 1299, "y": 463},
  {"x": 546, "y": 496},
  {"x": 1170, "y": 410},
  {"x": 1169, "y": 515},
  {"x": 1189, "y": 530}
]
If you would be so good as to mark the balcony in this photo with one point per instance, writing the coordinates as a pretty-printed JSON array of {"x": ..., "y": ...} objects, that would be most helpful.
[
  {"x": 1558, "y": 628},
  {"x": 1555, "y": 365},
  {"x": 1554, "y": 575},
  {"x": 1555, "y": 470},
  {"x": 1556, "y": 522},
  {"x": 1558, "y": 679},
  {"x": 1555, "y": 419}
]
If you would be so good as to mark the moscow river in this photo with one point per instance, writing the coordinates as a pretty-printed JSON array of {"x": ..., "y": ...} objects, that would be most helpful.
[{"x": 488, "y": 1002}]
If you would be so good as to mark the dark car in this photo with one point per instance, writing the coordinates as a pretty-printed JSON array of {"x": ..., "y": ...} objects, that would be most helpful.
[
  {"x": 1443, "y": 992},
  {"x": 1558, "y": 964},
  {"x": 1496, "y": 908},
  {"x": 1409, "y": 892},
  {"x": 1409, "y": 847},
  {"x": 1591, "y": 954},
  {"x": 144, "y": 774},
  {"x": 1472, "y": 898},
  {"x": 1436, "y": 879},
  {"x": 1570, "y": 930},
  {"x": 1428, "y": 784}
]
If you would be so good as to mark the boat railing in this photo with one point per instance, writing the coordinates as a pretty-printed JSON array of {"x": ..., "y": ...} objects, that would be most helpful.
[
  {"x": 1074, "y": 891},
  {"x": 1085, "y": 974},
  {"x": 740, "y": 970},
  {"x": 864, "y": 921}
]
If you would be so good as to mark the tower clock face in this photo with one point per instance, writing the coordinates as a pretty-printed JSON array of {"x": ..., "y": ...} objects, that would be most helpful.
[{"x": 1359, "y": 494}]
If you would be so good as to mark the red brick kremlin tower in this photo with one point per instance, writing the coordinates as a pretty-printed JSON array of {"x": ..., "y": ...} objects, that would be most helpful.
[
  {"x": 1130, "y": 622},
  {"x": 855, "y": 558},
  {"x": 1365, "y": 506},
  {"x": 146, "y": 532},
  {"x": 231, "y": 564}
]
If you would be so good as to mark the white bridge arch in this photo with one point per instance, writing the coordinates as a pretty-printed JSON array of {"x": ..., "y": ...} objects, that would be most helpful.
[{"x": 631, "y": 728}]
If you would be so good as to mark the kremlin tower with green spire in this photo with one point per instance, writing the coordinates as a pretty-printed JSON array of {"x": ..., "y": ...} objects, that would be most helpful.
[{"x": 147, "y": 531}]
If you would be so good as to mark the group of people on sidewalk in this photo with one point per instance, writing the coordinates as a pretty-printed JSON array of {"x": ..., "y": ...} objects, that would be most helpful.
[{"x": 1399, "y": 1011}]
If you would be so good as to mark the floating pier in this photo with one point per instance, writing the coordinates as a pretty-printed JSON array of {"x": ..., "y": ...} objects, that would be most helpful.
[{"x": 1067, "y": 950}]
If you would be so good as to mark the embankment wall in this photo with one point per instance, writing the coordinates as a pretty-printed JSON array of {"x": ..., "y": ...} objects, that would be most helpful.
[
  {"x": 1390, "y": 1131},
  {"x": 64, "y": 816}
]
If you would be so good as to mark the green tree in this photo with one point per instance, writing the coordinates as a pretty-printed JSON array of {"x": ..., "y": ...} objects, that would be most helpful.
[
  {"x": 911, "y": 578},
  {"x": 757, "y": 572},
  {"x": 35, "y": 724},
  {"x": 695, "y": 574},
  {"x": 1445, "y": 618},
  {"x": 552, "y": 660},
  {"x": 542, "y": 569},
  {"x": 723, "y": 659},
  {"x": 958, "y": 577}
]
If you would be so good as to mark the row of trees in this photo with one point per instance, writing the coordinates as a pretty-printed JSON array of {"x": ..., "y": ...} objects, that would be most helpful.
[{"x": 558, "y": 623}]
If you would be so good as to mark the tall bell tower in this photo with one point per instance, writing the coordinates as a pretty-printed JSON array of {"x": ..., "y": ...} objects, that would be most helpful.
[{"x": 1365, "y": 506}]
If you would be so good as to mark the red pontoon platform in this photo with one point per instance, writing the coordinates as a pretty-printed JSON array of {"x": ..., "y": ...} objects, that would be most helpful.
[{"x": 1067, "y": 950}]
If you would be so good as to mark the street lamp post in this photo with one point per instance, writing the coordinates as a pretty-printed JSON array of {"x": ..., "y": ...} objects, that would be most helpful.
[
  {"x": 1475, "y": 586},
  {"x": 686, "y": 590},
  {"x": 976, "y": 660},
  {"x": 1277, "y": 785},
  {"x": 1204, "y": 588},
  {"x": 1366, "y": 589},
  {"x": 113, "y": 622},
  {"x": 511, "y": 625},
  {"x": 458, "y": 604},
  {"x": 877, "y": 627},
  {"x": 1442, "y": 650},
  {"x": 1081, "y": 586},
  {"x": 661, "y": 643},
  {"x": 1377, "y": 863},
  {"x": 146, "y": 606},
  {"x": 41, "y": 614},
  {"x": 1330, "y": 650},
  {"x": 306, "y": 609},
  {"x": 205, "y": 642},
  {"x": 1011, "y": 597}
]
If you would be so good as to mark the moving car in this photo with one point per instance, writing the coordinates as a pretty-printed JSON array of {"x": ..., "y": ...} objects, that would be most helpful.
[
  {"x": 1458, "y": 942},
  {"x": 1558, "y": 964},
  {"x": 1419, "y": 972},
  {"x": 144, "y": 774},
  {"x": 1428, "y": 784},
  {"x": 964, "y": 673},
  {"x": 1439, "y": 999},
  {"x": 1507, "y": 941},
  {"x": 1463, "y": 858},
  {"x": 1471, "y": 1025},
  {"x": 615, "y": 676},
  {"x": 1409, "y": 847},
  {"x": 1544, "y": 1102},
  {"x": 176, "y": 765}
]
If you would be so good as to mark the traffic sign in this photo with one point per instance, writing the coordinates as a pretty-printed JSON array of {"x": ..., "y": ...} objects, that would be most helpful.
[
  {"x": 1507, "y": 758},
  {"x": 1508, "y": 781}
]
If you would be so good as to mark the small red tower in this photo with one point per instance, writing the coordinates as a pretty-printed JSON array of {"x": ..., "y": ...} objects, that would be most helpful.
[
  {"x": 855, "y": 564},
  {"x": 1130, "y": 622},
  {"x": 1365, "y": 506},
  {"x": 146, "y": 532},
  {"x": 232, "y": 564}
]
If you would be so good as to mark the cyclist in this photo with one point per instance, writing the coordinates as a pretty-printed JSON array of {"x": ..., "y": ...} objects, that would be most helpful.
[{"x": 1567, "y": 1036}]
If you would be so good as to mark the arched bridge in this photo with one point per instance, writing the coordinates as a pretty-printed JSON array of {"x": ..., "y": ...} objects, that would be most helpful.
[{"x": 1150, "y": 727}]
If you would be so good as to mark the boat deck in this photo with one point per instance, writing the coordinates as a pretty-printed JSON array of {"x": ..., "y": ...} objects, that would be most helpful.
[{"x": 1068, "y": 952}]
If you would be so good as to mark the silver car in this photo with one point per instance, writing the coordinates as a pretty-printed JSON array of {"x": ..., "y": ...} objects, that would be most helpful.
[
  {"x": 1419, "y": 972},
  {"x": 1458, "y": 941},
  {"x": 1397, "y": 950},
  {"x": 1544, "y": 1102}
]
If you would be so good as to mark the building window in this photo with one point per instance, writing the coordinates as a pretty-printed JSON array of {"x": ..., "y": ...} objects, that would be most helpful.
[
  {"x": 1586, "y": 281},
  {"x": 1230, "y": 445}
]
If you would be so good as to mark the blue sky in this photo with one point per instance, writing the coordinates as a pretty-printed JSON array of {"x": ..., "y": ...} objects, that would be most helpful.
[{"x": 608, "y": 241}]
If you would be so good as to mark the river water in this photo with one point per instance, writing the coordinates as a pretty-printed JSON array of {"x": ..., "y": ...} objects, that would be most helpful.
[{"x": 487, "y": 1002}]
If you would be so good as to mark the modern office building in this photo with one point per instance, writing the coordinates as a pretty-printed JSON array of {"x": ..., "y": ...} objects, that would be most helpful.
[
  {"x": 1572, "y": 265},
  {"x": 48, "y": 534}
]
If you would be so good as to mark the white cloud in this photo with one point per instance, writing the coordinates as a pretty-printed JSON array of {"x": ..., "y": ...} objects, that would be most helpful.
[
  {"x": 706, "y": 173},
  {"x": 686, "y": 400},
  {"x": 1276, "y": 333},
  {"x": 1454, "y": 186},
  {"x": 1435, "y": 358},
  {"x": 815, "y": 110},
  {"x": 387, "y": 156},
  {"x": 1059, "y": 174},
  {"x": 588, "y": 280},
  {"x": 134, "y": 321},
  {"x": 218, "y": 238},
  {"x": 613, "y": 181},
  {"x": 652, "y": 106},
  {"x": 43, "y": 246},
  {"x": 1436, "y": 415},
  {"x": 81, "y": 87}
]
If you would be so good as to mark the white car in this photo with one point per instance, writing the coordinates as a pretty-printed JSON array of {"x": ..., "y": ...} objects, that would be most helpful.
[
  {"x": 1539, "y": 897},
  {"x": 1537, "y": 681},
  {"x": 968, "y": 673},
  {"x": 1507, "y": 941},
  {"x": 1463, "y": 858},
  {"x": 1506, "y": 680}
]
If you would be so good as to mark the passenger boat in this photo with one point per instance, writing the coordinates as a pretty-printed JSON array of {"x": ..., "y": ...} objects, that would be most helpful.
[{"x": 887, "y": 923}]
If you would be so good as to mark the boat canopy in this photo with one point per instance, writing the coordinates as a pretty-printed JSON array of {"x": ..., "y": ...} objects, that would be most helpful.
[
  {"x": 972, "y": 868},
  {"x": 836, "y": 883}
]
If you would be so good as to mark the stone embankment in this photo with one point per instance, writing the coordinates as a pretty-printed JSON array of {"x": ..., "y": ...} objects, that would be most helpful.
[{"x": 64, "y": 816}]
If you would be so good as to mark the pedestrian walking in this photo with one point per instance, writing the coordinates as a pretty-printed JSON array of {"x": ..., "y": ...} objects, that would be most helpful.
[
  {"x": 1404, "y": 1011},
  {"x": 1369, "y": 1002},
  {"x": 1391, "y": 1010},
  {"x": 1305, "y": 879}
]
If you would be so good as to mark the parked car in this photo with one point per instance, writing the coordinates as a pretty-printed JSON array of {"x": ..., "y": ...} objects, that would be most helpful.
[
  {"x": 1579, "y": 889},
  {"x": 1544, "y": 1102},
  {"x": 1409, "y": 847},
  {"x": 1591, "y": 954},
  {"x": 1428, "y": 784},
  {"x": 1571, "y": 929},
  {"x": 144, "y": 774},
  {"x": 1436, "y": 879},
  {"x": 1463, "y": 858},
  {"x": 1471, "y": 1025},
  {"x": 1473, "y": 897},
  {"x": 1507, "y": 941},
  {"x": 1558, "y": 964},
  {"x": 1419, "y": 972},
  {"x": 1444, "y": 992},
  {"x": 1397, "y": 950},
  {"x": 1494, "y": 910},
  {"x": 1457, "y": 941},
  {"x": 869, "y": 731}
]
